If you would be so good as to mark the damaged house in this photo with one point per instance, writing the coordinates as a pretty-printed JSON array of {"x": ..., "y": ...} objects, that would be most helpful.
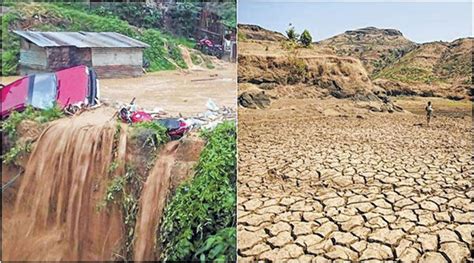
[{"x": 110, "y": 54}]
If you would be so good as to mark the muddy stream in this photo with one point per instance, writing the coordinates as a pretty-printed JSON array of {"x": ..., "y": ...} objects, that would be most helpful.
[{"x": 55, "y": 215}]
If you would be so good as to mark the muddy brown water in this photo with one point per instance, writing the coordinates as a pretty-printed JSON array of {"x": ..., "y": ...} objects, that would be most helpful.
[
  {"x": 55, "y": 216},
  {"x": 152, "y": 203},
  {"x": 52, "y": 210}
]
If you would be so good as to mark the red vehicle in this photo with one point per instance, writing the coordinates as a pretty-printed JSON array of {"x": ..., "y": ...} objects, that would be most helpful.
[
  {"x": 175, "y": 127},
  {"x": 208, "y": 47},
  {"x": 74, "y": 85}
]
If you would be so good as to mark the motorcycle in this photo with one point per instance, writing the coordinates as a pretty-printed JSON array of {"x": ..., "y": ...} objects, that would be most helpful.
[
  {"x": 210, "y": 48},
  {"x": 175, "y": 127}
]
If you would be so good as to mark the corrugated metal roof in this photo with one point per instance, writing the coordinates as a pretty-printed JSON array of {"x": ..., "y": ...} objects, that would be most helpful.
[{"x": 81, "y": 39}]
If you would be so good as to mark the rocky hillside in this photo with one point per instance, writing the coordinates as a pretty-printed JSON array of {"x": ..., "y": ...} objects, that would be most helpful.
[
  {"x": 340, "y": 76},
  {"x": 436, "y": 68},
  {"x": 271, "y": 69},
  {"x": 363, "y": 64},
  {"x": 375, "y": 47},
  {"x": 254, "y": 32}
]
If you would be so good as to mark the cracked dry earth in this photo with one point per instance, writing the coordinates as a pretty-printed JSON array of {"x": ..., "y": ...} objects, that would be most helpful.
[{"x": 348, "y": 189}]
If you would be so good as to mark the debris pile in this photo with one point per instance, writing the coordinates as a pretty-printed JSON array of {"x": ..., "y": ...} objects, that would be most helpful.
[{"x": 179, "y": 125}]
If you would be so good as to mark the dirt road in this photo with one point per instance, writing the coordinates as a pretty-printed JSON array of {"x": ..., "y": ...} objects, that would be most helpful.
[
  {"x": 176, "y": 92},
  {"x": 184, "y": 91},
  {"x": 315, "y": 186}
]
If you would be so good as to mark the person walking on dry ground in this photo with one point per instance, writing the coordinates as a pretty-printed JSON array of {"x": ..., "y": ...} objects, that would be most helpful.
[{"x": 429, "y": 112}]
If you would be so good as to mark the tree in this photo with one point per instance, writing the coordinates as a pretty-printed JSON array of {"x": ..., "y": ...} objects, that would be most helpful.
[
  {"x": 291, "y": 33},
  {"x": 306, "y": 38}
]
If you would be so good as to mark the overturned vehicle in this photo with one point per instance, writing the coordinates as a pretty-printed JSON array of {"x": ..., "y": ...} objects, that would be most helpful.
[{"x": 73, "y": 86}]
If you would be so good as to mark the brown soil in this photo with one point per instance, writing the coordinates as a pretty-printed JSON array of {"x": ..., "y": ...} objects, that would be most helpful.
[
  {"x": 254, "y": 32},
  {"x": 322, "y": 180},
  {"x": 184, "y": 91},
  {"x": 343, "y": 75},
  {"x": 176, "y": 92},
  {"x": 369, "y": 45},
  {"x": 396, "y": 65}
]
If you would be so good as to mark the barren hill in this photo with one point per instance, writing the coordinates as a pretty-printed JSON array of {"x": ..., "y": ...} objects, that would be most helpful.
[
  {"x": 435, "y": 68},
  {"x": 357, "y": 64},
  {"x": 254, "y": 32},
  {"x": 376, "y": 47},
  {"x": 270, "y": 69}
]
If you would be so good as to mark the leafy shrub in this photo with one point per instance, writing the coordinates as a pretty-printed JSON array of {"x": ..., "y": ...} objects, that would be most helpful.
[
  {"x": 217, "y": 247},
  {"x": 123, "y": 190},
  {"x": 10, "y": 45},
  {"x": 291, "y": 33},
  {"x": 15, "y": 152},
  {"x": 306, "y": 38},
  {"x": 196, "y": 59},
  {"x": 151, "y": 134},
  {"x": 137, "y": 14},
  {"x": 183, "y": 17},
  {"x": 9, "y": 128},
  {"x": 41, "y": 116},
  {"x": 198, "y": 220},
  {"x": 226, "y": 10},
  {"x": 157, "y": 51}
]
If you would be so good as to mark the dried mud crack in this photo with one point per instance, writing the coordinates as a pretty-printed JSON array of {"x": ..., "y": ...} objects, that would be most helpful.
[{"x": 317, "y": 188}]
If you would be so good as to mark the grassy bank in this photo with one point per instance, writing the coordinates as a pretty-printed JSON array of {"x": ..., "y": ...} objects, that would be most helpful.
[{"x": 199, "y": 221}]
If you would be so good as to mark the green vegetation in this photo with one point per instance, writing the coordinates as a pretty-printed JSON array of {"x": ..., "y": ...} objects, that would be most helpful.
[
  {"x": 387, "y": 59},
  {"x": 406, "y": 69},
  {"x": 150, "y": 134},
  {"x": 456, "y": 65},
  {"x": 124, "y": 190},
  {"x": 209, "y": 65},
  {"x": 199, "y": 221},
  {"x": 409, "y": 74},
  {"x": 184, "y": 15},
  {"x": 16, "y": 152},
  {"x": 135, "y": 13},
  {"x": 10, "y": 45},
  {"x": 241, "y": 36},
  {"x": 296, "y": 40},
  {"x": 164, "y": 53},
  {"x": 226, "y": 10},
  {"x": 306, "y": 39},
  {"x": 196, "y": 59},
  {"x": 217, "y": 247},
  {"x": 291, "y": 33},
  {"x": 10, "y": 125}
]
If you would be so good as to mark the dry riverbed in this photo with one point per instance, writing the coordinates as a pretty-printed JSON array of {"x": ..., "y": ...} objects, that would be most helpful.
[{"x": 319, "y": 181}]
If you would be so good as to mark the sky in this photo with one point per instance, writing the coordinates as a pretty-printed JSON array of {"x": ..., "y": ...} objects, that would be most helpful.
[{"x": 418, "y": 21}]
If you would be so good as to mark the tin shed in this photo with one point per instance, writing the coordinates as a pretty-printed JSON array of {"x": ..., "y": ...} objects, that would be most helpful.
[{"x": 110, "y": 54}]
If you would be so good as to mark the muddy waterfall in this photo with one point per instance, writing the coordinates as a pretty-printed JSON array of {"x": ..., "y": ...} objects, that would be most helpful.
[{"x": 59, "y": 211}]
